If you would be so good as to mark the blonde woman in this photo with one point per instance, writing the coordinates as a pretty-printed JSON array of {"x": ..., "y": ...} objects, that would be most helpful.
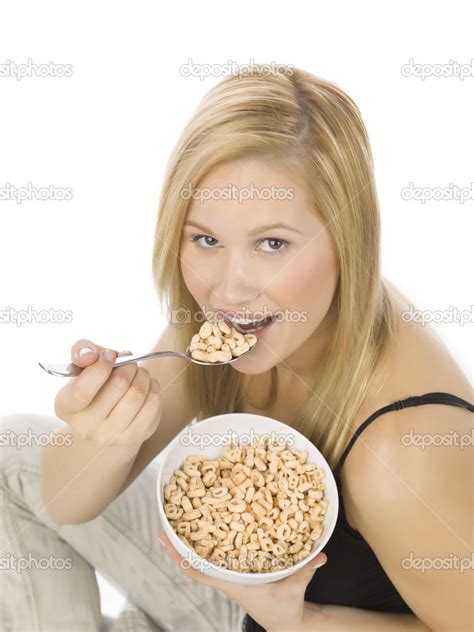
[{"x": 269, "y": 208}]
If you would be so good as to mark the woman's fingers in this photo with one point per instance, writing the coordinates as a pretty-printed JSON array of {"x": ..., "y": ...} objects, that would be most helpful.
[
  {"x": 80, "y": 391},
  {"x": 112, "y": 391},
  {"x": 85, "y": 352},
  {"x": 148, "y": 418}
]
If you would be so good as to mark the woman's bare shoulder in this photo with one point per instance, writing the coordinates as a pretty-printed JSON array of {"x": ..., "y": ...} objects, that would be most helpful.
[{"x": 418, "y": 363}]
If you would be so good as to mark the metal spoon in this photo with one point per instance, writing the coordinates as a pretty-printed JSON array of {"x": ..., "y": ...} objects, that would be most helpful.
[{"x": 71, "y": 370}]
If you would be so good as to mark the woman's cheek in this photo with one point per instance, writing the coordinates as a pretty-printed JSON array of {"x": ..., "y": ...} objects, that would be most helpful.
[
  {"x": 306, "y": 288},
  {"x": 194, "y": 274}
]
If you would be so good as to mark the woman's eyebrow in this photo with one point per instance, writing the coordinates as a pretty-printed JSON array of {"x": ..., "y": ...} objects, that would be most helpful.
[{"x": 260, "y": 229}]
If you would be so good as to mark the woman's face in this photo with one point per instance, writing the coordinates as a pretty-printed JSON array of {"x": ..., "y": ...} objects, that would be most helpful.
[{"x": 231, "y": 262}]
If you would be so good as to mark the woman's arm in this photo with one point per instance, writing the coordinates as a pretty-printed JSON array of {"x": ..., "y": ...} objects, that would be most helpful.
[
  {"x": 410, "y": 490},
  {"x": 80, "y": 478},
  {"x": 328, "y": 618}
]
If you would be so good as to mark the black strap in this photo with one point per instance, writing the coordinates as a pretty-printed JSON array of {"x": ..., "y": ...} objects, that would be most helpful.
[{"x": 416, "y": 400}]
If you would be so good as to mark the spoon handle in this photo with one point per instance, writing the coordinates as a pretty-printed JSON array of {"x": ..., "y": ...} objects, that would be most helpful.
[
  {"x": 152, "y": 354},
  {"x": 71, "y": 370}
]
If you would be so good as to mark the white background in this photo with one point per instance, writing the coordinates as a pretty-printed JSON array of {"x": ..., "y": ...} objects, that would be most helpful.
[{"x": 107, "y": 132}]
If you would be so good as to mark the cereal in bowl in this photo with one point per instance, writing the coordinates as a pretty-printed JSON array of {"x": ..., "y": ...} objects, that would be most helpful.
[{"x": 254, "y": 509}]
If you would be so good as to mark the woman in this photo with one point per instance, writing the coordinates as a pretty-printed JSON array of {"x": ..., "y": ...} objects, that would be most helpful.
[{"x": 288, "y": 150}]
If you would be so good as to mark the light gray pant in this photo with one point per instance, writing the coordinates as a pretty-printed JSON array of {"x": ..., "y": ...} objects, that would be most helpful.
[{"x": 62, "y": 595}]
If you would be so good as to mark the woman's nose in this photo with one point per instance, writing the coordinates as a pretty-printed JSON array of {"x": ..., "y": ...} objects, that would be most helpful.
[{"x": 235, "y": 286}]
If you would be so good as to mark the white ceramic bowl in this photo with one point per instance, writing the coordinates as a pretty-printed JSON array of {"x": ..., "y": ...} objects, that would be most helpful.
[{"x": 207, "y": 437}]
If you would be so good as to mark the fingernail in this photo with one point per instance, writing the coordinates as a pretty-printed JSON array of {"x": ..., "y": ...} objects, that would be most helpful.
[
  {"x": 108, "y": 354},
  {"x": 85, "y": 350}
]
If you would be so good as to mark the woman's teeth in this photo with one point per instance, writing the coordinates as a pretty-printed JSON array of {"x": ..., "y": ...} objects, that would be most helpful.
[{"x": 244, "y": 325}]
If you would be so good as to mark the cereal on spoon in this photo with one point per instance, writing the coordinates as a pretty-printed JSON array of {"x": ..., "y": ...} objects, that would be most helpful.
[{"x": 219, "y": 343}]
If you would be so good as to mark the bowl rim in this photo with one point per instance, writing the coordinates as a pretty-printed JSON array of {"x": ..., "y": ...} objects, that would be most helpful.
[{"x": 282, "y": 573}]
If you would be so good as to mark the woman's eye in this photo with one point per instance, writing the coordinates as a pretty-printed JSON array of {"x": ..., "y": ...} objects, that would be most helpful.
[
  {"x": 279, "y": 241},
  {"x": 198, "y": 237},
  {"x": 280, "y": 244}
]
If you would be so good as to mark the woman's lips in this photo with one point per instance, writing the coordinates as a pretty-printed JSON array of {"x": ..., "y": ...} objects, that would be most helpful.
[
  {"x": 250, "y": 327},
  {"x": 263, "y": 330}
]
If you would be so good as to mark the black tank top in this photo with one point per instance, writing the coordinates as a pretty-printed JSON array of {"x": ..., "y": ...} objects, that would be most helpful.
[{"x": 352, "y": 575}]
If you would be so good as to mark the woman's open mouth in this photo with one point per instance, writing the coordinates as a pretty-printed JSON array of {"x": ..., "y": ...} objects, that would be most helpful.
[{"x": 246, "y": 326}]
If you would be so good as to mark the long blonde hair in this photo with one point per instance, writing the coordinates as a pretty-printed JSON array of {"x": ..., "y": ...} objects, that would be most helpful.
[{"x": 295, "y": 116}]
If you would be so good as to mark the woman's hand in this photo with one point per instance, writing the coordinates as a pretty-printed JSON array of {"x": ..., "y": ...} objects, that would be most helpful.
[
  {"x": 275, "y": 606},
  {"x": 110, "y": 407}
]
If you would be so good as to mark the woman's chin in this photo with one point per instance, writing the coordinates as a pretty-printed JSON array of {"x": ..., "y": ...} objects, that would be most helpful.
[{"x": 253, "y": 366}]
